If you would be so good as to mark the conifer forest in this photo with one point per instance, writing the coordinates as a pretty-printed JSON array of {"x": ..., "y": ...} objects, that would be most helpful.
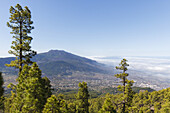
[{"x": 34, "y": 93}]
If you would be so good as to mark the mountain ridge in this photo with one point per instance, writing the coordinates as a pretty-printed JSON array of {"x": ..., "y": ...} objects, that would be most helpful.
[{"x": 59, "y": 62}]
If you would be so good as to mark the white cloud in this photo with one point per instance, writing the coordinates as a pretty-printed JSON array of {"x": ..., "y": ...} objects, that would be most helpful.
[{"x": 155, "y": 66}]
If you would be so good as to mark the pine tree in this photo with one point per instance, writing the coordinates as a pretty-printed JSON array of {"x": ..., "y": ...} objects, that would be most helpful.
[
  {"x": 108, "y": 105},
  {"x": 55, "y": 105},
  {"x": 20, "y": 23},
  {"x": 96, "y": 104},
  {"x": 165, "y": 108},
  {"x": 71, "y": 108},
  {"x": 126, "y": 89},
  {"x": 83, "y": 96},
  {"x": 30, "y": 93},
  {"x": 47, "y": 88},
  {"x": 129, "y": 93}
]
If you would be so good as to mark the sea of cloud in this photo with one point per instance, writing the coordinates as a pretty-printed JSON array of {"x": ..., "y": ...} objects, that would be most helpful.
[{"x": 155, "y": 66}]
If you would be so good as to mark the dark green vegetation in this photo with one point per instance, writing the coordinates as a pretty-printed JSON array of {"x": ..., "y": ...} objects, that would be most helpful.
[
  {"x": 31, "y": 92},
  {"x": 82, "y": 97},
  {"x": 70, "y": 93},
  {"x": 143, "y": 102},
  {"x": 139, "y": 89}
]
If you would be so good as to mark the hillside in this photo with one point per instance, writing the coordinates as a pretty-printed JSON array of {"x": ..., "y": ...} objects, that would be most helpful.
[{"x": 58, "y": 62}]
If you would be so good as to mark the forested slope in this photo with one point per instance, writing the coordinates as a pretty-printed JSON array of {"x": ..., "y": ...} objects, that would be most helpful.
[{"x": 142, "y": 102}]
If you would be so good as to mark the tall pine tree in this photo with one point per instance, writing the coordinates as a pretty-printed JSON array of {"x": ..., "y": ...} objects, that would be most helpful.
[
  {"x": 20, "y": 23},
  {"x": 32, "y": 91},
  {"x": 126, "y": 89}
]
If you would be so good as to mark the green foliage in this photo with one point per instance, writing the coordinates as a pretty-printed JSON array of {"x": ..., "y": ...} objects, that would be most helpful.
[
  {"x": 165, "y": 107},
  {"x": 108, "y": 105},
  {"x": 129, "y": 93},
  {"x": 55, "y": 105},
  {"x": 122, "y": 76},
  {"x": 138, "y": 89},
  {"x": 31, "y": 92},
  {"x": 157, "y": 101},
  {"x": 143, "y": 102},
  {"x": 126, "y": 89},
  {"x": 70, "y": 93},
  {"x": 96, "y": 104},
  {"x": 47, "y": 88},
  {"x": 20, "y": 23},
  {"x": 82, "y": 97},
  {"x": 71, "y": 108},
  {"x": 109, "y": 90}
]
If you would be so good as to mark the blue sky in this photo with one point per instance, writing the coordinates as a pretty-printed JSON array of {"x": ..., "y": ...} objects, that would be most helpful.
[{"x": 94, "y": 27}]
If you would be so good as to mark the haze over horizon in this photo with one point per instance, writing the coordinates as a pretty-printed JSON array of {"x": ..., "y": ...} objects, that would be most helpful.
[
  {"x": 93, "y": 57},
  {"x": 94, "y": 28}
]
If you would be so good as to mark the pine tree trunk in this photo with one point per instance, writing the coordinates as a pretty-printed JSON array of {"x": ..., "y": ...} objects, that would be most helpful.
[
  {"x": 20, "y": 56},
  {"x": 124, "y": 92}
]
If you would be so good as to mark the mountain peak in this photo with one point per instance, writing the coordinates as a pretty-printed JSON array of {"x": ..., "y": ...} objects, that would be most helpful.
[
  {"x": 56, "y": 62},
  {"x": 52, "y": 50}
]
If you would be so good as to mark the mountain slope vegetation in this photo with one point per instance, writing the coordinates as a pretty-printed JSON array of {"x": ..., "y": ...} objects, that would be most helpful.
[{"x": 59, "y": 62}]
